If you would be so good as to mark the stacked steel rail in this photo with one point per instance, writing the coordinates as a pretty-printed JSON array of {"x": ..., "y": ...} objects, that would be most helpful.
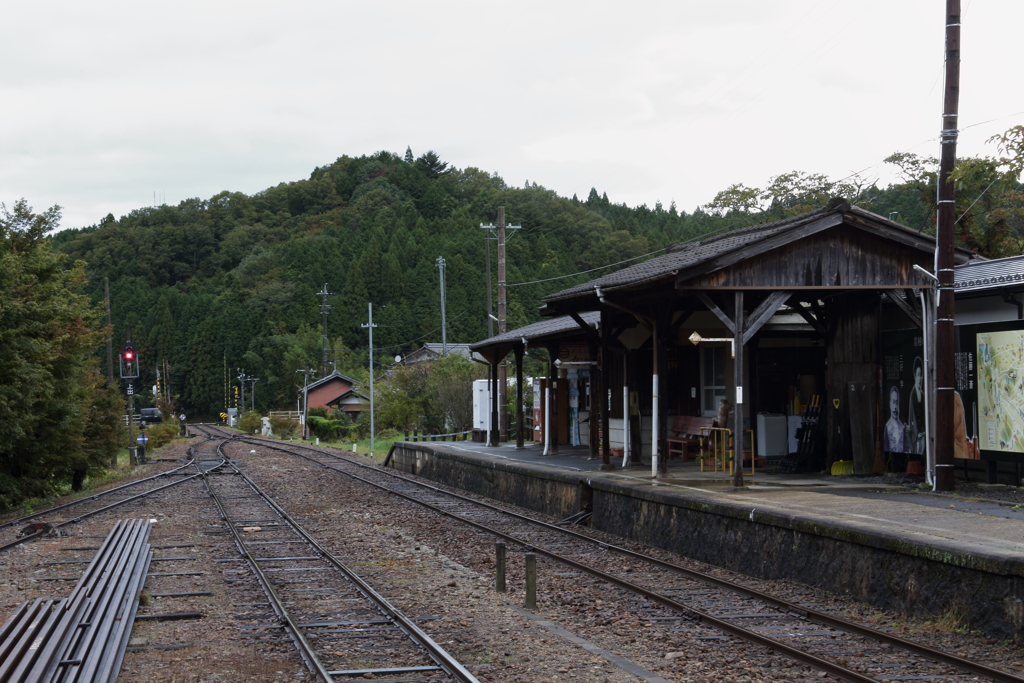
[
  {"x": 327, "y": 602},
  {"x": 104, "y": 496},
  {"x": 693, "y": 599},
  {"x": 82, "y": 638}
]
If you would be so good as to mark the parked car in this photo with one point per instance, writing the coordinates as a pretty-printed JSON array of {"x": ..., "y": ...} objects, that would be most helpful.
[{"x": 150, "y": 416}]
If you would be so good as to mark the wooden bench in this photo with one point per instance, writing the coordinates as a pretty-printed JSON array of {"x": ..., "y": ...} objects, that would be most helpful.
[{"x": 684, "y": 436}]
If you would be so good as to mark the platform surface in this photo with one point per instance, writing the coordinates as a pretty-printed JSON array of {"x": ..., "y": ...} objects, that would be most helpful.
[{"x": 961, "y": 522}]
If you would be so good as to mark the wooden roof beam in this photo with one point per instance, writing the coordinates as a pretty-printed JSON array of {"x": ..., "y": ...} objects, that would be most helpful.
[
  {"x": 762, "y": 314},
  {"x": 818, "y": 326},
  {"x": 905, "y": 306},
  {"x": 719, "y": 313}
]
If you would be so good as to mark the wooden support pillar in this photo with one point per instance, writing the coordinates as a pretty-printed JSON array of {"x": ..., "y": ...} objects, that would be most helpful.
[
  {"x": 636, "y": 426},
  {"x": 606, "y": 443},
  {"x": 737, "y": 378},
  {"x": 563, "y": 377},
  {"x": 594, "y": 385},
  {"x": 551, "y": 422},
  {"x": 494, "y": 404},
  {"x": 662, "y": 360},
  {"x": 519, "y": 350},
  {"x": 655, "y": 401}
]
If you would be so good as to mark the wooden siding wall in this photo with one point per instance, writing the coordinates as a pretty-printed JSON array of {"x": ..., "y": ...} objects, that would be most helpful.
[
  {"x": 852, "y": 378},
  {"x": 840, "y": 256}
]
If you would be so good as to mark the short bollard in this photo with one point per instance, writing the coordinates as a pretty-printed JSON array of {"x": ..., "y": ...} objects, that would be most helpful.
[
  {"x": 531, "y": 581},
  {"x": 499, "y": 570}
]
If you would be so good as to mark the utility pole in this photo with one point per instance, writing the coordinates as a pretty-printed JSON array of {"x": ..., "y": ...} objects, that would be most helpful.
[
  {"x": 944, "y": 377},
  {"x": 241, "y": 380},
  {"x": 305, "y": 397},
  {"x": 167, "y": 381},
  {"x": 252, "y": 391},
  {"x": 324, "y": 310},
  {"x": 444, "y": 317},
  {"x": 110, "y": 331},
  {"x": 370, "y": 326},
  {"x": 502, "y": 314},
  {"x": 490, "y": 298}
]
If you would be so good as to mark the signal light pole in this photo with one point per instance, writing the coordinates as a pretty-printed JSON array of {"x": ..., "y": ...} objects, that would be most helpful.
[{"x": 130, "y": 371}]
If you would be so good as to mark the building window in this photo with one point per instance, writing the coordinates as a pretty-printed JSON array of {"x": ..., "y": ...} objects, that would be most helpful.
[{"x": 712, "y": 377}]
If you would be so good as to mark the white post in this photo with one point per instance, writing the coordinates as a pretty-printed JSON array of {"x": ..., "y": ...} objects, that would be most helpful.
[
  {"x": 929, "y": 458},
  {"x": 547, "y": 416},
  {"x": 655, "y": 436},
  {"x": 625, "y": 417}
]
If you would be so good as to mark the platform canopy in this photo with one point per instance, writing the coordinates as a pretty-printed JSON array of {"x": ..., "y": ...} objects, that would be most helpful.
[
  {"x": 535, "y": 334},
  {"x": 812, "y": 281}
]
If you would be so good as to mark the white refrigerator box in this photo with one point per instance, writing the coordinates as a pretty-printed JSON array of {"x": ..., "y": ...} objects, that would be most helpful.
[{"x": 771, "y": 435}]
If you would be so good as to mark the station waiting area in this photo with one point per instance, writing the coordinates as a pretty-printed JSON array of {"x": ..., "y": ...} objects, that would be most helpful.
[{"x": 888, "y": 505}]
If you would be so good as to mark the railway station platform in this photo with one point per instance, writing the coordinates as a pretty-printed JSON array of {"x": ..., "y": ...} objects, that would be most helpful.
[{"x": 945, "y": 555}]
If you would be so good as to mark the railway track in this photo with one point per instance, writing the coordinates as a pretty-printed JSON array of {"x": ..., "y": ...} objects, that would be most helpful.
[
  {"x": 55, "y": 518},
  {"x": 340, "y": 625},
  {"x": 684, "y": 600}
]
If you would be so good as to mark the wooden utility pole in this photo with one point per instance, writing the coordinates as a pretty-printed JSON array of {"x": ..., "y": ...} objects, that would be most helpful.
[
  {"x": 324, "y": 310},
  {"x": 502, "y": 328},
  {"x": 502, "y": 397},
  {"x": 110, "y": 331},
  {"x": 737, "y": 381},
  {"x": 944, "y": 376}
]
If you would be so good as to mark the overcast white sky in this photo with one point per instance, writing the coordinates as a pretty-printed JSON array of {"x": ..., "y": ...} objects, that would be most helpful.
[{"x": 105, "y": 103}]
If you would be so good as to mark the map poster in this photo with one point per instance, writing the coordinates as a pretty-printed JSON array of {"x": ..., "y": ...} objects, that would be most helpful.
[{"x": 999, "y": 353}]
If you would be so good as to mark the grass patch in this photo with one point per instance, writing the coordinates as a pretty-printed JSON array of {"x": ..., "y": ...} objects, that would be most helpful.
[{"x": 952, "y": 620}]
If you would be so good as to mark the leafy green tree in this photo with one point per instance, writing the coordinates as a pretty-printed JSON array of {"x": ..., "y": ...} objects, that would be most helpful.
[
  {"x": 450, "y": 386},
  {"x": 989, "y": 196},
  {"x": 51, "y": 402}
]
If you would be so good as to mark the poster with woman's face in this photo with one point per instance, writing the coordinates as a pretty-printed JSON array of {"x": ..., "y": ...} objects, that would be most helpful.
[{"x": 903, "y": 383}]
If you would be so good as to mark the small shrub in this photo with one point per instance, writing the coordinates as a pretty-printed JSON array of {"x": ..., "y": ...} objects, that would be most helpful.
[
  {"x": 283, "y": 427},
  {"x": 249, "y": 422},
  {"x": 161, "y": 434},
  {"x": 328, "y": 430}
]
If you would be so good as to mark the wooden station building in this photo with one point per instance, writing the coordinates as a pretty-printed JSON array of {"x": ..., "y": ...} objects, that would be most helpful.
[{"x": 786, "y": 311}]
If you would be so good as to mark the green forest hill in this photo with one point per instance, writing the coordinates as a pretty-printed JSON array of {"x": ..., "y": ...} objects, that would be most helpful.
[{"x": 229, "y": 282}]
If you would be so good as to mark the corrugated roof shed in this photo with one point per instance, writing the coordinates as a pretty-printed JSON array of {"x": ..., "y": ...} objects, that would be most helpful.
[
  {"x": 541, "y": 329},
  {"x": 980, "y": 276}
]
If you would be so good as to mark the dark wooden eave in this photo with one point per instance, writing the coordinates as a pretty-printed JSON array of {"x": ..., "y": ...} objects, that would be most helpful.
[{"x": 836, "y": 249}]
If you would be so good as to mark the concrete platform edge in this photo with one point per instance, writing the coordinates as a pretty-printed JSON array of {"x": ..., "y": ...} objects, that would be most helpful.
[{"x": 981, "y": 590}]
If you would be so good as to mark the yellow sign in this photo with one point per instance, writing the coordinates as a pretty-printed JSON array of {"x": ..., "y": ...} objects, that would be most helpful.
[{"x": 835, "y": 403}]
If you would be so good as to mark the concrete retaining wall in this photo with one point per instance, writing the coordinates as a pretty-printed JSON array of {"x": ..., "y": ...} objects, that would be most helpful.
[
  {"x": 878, "y": 568},
  {"x": 555, "y": 493}
]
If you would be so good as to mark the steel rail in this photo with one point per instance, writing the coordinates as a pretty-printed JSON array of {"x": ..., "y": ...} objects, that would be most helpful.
[
  {"x": 789, "y": 607},
  {"x": 85, "y": 499},
  {"x": 97, "y": 511},
  {"x": 440, "y": 656},
  {"x": 306, "y": 651},
  {"x": 809, "y": 614}
]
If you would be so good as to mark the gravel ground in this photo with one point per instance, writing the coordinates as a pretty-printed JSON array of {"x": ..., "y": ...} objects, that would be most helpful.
[{"x": 435, "y": 569}]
